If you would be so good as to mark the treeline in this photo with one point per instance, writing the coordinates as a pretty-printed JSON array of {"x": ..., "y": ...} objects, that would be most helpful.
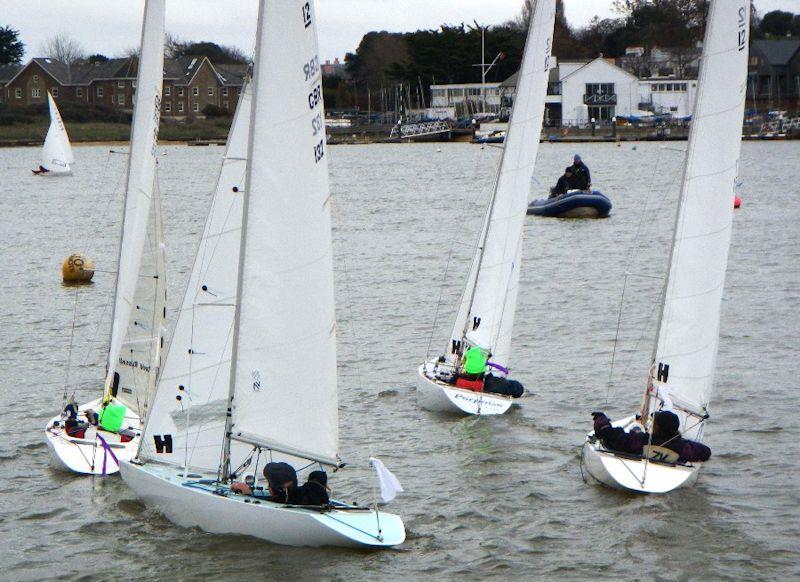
[{"x": 450, "y": 53}]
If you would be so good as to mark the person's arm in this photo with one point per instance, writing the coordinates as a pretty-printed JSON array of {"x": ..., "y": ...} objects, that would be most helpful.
[
  {"x": 616, "y": 438},
  {"x": 588, "y": 179}
]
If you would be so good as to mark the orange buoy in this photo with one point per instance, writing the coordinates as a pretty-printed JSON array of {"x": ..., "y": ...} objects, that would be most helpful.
[
  {"x": 77, "y": 269},
  {"x": 737, "y": 202}
]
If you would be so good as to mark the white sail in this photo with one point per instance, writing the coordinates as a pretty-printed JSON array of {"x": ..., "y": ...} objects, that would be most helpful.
[
  {"x": 284, "y": 354},
  {"x": 491, "y": 288},
  {"x": 686, "y": 346},
  {"x": 141, "y": 176},
  {"x": 56, "y": 152},
  {"x": 140, "y": 356},
  {"x": 199, "y": 354}
]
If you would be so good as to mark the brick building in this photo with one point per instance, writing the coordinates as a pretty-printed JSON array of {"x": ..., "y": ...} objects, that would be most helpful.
[{"x": 190, "y": 84}]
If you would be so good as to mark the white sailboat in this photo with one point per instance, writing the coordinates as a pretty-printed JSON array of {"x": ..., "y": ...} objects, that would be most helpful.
[
  {"x": 139, "y": 301},
  {"x": 681, "y": 374},
  {"x": 57, "y": 155},
  {"x": 486, "y": 314},
  {"x": 250, "y": 375}
]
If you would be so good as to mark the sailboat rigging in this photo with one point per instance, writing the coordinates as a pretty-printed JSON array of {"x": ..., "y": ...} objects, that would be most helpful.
[
  {"x": 486, "y": 315},
  {"x": 681, "y": 373},
  {"x": 94, "y": 438},
  {"x": 239, "y": 388}
]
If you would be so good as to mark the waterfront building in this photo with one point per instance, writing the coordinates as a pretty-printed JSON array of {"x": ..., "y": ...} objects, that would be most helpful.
[{"x": 190, "y": 84}]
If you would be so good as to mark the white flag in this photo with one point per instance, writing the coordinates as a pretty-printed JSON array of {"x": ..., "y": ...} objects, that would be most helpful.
[{"x": 390, "y": 486}]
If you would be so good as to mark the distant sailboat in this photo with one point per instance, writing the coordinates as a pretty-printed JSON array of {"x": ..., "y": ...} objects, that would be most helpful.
[
  {"x": 250, "y": 375},
  {"x": 486, "y": 314},
  {"x": 139, "y": 301},
  {"x": 56, "y": 152},
  {"x": 681, "y": 374}
]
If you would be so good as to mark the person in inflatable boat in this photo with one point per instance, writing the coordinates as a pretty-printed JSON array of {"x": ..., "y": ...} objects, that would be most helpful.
[
  {"x": 666, "y": 434},
  {"x": 565, "y": 182},
  {"x": 582, "y": 179}
]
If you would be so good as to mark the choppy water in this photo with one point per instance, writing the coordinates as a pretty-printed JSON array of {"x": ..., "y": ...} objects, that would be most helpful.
[{"x": 485, "y": 497}]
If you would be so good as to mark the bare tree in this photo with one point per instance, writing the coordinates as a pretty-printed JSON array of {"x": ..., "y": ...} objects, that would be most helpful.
[{"x": 62, "y": 47}]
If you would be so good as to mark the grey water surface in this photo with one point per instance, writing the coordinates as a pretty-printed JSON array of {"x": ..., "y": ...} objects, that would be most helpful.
[{"x": 484, "y": 497}]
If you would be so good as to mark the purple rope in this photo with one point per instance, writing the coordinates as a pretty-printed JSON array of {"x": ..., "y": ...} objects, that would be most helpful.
[
  {"x": 107, "y": 451},
  {"x": 503, "y": 369}
]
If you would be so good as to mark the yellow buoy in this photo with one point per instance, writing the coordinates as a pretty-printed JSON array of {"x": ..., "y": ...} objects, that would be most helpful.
[{"x": 77, "y": 269}]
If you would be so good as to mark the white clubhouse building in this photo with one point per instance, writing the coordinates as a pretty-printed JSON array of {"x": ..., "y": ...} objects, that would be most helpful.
[{"x": 579, "y": 91}]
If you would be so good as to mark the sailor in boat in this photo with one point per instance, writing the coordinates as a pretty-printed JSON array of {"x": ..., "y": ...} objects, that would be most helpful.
[
  {"x": 41, "y": 170},
  {"x": 582, "y": 180},
  {"x": 666, "y": 434},
  {"x": 565, "y": 183},
  {"x": 472, "y": 375},
  {"x": 282, "y": 486}
]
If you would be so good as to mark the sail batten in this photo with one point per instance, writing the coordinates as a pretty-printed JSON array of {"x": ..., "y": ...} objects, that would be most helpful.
[
  {"x": 486, "y": 313},
  {"x": 685, "y": 350},
  {"x": 141, "y": 177}
]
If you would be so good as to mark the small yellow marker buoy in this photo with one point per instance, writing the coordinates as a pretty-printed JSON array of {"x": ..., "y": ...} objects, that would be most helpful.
[{"x": 77, "y": 269}]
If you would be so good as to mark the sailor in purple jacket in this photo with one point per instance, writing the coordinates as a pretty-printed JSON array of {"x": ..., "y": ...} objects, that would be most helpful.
[{"x": 665, "y": 434}]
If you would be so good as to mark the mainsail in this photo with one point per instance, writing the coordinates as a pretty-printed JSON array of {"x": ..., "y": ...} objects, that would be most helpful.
[
  {"x": 56, "y": 152},
  {"x": 486, "y": 314},
  {"x": 685, "y": 353},
  {"x": 189, "y": 431},
  {"x": 284, "y": 353},
  {"x": 140, "y": 354},
  {"x": 141, "y": 178}
]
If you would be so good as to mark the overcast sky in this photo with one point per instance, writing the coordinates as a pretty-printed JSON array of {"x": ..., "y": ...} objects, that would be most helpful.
[{"x": 112, "y": 26}]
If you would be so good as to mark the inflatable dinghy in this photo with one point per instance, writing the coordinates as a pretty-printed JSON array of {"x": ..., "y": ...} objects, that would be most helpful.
[{"x": 573, "y": 204}]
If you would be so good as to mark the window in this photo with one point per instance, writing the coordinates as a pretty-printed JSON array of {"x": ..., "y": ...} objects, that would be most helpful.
[
  {"x": 224, "y": 91},
  {"x": 180, "y": 106},
  {"x": 17, "y": 93},
  {"x": 180, "y": 91},
  {"x": 599, "y": 88},
  {"x": 36, "y": 78},
  {"x": 120, "y": 84},
  {"x": 673, "y": 109},
  {"x": 167, "y": 91},
  {"x": 210, "y": 91},
  {"x": 79, "y": 92},
  {"x": 99, "y": 91},
  {"x": 195, "y": 91},
  {"x": 167, "y": 106},
  {"x": 54, "y": 92},
  {"x": 196, "y": 107},
  {"x": 121, "y": 98},
  {"x": 36, "y": 93}
]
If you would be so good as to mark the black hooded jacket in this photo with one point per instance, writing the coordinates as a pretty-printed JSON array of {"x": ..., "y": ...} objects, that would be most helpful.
[{"x": 616, "y": 439}]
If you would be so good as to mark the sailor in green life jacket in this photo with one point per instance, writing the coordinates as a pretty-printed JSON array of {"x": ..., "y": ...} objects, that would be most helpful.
[
  {"x": 473, "y": 367},
  {"x": 473, "y": 364}
]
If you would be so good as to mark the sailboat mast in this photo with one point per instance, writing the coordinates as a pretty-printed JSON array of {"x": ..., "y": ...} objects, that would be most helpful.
[{"x": 226, "y": 447}]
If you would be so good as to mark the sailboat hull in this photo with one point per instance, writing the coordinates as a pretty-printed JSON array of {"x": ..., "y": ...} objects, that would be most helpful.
[
  {"x": 629, "y": 473},
  {"x": 88, "y": 455},
  {"x": 440, "y": 397},
  {"x": 197, "y": 502},
  {"x": 54, "y": 173}
]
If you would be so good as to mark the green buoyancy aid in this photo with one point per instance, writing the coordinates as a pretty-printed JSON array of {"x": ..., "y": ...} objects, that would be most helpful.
[
  {"x": 112, "y": 416},
  {"x": 475, "y": 361}
]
